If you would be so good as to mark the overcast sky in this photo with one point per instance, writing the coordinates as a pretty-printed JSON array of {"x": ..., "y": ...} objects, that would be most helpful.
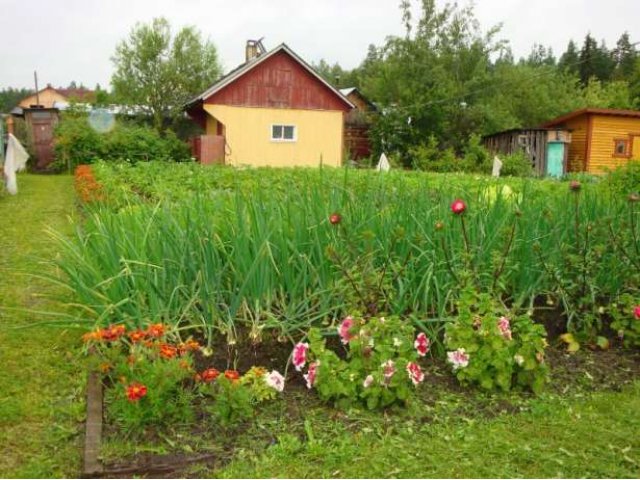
[{"x": 69, "y": 40}]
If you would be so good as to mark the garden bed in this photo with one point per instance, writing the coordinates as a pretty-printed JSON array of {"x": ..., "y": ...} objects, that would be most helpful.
[{"x": 440, "y": 400}]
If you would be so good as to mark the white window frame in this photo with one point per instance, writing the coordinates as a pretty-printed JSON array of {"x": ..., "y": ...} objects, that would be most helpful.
[{"x": 283, "y": 140}]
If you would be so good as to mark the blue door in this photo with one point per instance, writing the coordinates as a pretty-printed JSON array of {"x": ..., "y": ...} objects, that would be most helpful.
[{"x": 555, "y": 159}]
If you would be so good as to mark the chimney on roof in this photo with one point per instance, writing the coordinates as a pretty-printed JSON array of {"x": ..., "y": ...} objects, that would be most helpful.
[{"x": 253, "y": 49}]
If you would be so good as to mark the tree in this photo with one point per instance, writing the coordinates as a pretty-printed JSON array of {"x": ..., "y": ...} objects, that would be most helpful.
[
  {"x": 569, "y": 60},
  {"x": 10, "y": 97},
  {"x": 624, "y": 56},
  {"x": 159, "y": 74}
]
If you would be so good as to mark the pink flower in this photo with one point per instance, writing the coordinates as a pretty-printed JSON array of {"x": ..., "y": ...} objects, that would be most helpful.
[
  {"x": 505, "y": 327},
  {"x": 636, "y": 312},
  {"x": 335, "y": 218},
  {"x": 310, "y": 377},
  {"x": 388, "y": 370},
  {"x": 574, "y": 185},
  {"x": 275, "y": 380},
  {"x": 415, "y": 373},
  {"x": 459, "y": 358},
  {"x": 422, "y": 344},
  {"x": 343, "y": 330},
  {"x": 300, "y": 355},
  {"x": 368, "y": 381},
  {"x": 458, "y": 207}
]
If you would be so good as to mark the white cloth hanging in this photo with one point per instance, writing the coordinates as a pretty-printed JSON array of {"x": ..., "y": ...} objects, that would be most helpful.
[
  {"x": 383, "y": 164},
  {"x": 497, "y": 166},
  {"x": 15, "y": 161}
]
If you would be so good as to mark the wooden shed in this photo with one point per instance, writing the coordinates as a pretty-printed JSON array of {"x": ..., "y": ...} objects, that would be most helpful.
[
  {"x": 603, "y": 139},
  {"x": 546, "y": 147},
  {"x": 357, "y": 124}
]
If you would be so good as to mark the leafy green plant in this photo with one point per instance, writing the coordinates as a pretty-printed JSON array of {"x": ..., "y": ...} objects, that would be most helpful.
[
  {"x": 149, "y": 375},
  {"x": 490, "y": 347},
  {"x": 626, "y": 319},
  {"x": 380, "y": 368}
]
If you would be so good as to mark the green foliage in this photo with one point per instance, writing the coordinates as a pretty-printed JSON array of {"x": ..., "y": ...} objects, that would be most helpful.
[
  {"x": 77, "y": 143},
  {"x": 374, "y": 372},
  {"x": 161, "y": 73},
  {"x": 626, "y": 319},
  {"x": 503, "y": 350},
  {"x": 232, "y": 402},
  {"x": 516, "y": 165},
  {"x": 624, "y": 180},
  {"x": 10, "y": 97}
]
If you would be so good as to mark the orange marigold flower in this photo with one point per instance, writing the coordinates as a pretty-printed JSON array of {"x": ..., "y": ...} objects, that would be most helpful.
[
  {"x": 232, "y": 375},
  {"x": 156, "y": 330},
  {"x": 137, "y": 336},
  {"x": 92, "y": 336},
  {"x": 136, "y": 391},
  {"x": 168, "y": 351},
  {"x": 105, "y": 367},
  {"x": 185, "y": 364},
  {"x": 188, "y": 346},
  {"x": 209, "y": 375},
  {"x": 112, "y": 333}
]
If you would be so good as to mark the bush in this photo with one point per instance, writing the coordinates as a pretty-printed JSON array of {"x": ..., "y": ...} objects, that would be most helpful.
[
  {"x": 515, "y": 165},
  {"x": 77, "y": 143},
  {"x": 380, "y": 368},
  {"x": 624, "y": 180},
  {"x": 429, "y": 157},
  {"x": 492, "y": 349}
]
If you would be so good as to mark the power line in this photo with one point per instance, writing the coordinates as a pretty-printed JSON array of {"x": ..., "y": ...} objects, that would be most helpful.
[{"x": 489, "y": 87}]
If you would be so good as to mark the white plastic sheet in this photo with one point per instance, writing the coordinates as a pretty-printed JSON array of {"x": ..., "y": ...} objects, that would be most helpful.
[
  {"x": 15, "y": 161},
  {"x": 383, "y": 164}
]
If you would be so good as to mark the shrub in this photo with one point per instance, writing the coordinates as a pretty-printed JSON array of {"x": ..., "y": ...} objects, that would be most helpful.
[
  {"x": 380, "y": 368},
  {"x": 493, "y": 349},
  {"x": 624, "y": 180},
  {"x": 77, "y": 143},
  {"x": 516, "y": 165},
  {"x": 626, "y": 320}
]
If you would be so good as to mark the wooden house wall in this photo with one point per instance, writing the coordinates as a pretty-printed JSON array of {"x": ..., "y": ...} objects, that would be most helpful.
[
  {"x": 605, "y": 129},
  {"x": 576, "y": 159},
  {"x": 47, "y": 98},
  {"x": 278, "y": 82},
  {"x": 532, "y": 142}
]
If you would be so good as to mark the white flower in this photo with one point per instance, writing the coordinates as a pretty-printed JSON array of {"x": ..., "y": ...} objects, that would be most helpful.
[
  {"x": 368, "y": 381},
  {"x": 396, "y": 342},
  {"x": 519, "y": 359},
  {"x": 275, "y": 380},
  {"x": 459, "y": 358}
]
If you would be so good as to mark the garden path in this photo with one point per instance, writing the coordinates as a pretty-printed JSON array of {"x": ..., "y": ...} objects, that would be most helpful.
[{"x": 41, "y": 378}]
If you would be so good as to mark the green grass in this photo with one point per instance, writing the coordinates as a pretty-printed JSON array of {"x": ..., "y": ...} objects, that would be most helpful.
[
  {"x": 41, "y": 379},
  {"x": 596, "y": 437}
]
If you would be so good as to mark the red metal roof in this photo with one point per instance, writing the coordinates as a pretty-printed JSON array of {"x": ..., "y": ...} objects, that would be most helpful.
[
  {"x": 255, "y": 84},
  {"x": 585, "y": 111}
]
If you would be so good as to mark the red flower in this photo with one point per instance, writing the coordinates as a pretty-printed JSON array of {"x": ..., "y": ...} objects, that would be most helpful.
[
  {"x": 156, "y": 330},
  {"x": 188, "y": 346},
  {"x": 112, "y": 333},
  {"x": 137, "y": 336},
  {"x": 232, "y": 375},
  {"x": 168, "y": 351},
  {"x": 335, "y": 218},
  {"x": 574, "y": 185},
  {"x": 422, "y": 344},
  {"x": 344, "y": 330},
  {"x": 415, "y": 373},
  {"x": 136, "y": 391},
  {"x": 299, "y": 355},
  {"x": 636, "y": 312},
  {"x": 458, "y": 207},
  {"x": 209, "y": 375}
]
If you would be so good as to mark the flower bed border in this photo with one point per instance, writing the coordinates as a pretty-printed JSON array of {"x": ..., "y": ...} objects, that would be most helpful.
[{"x": 93, "y": 467}]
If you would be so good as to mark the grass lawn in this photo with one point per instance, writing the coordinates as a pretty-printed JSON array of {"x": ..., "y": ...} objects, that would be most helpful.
[
  {"x": 41, "y": 378},
  {"x": 42, "y": 382}
]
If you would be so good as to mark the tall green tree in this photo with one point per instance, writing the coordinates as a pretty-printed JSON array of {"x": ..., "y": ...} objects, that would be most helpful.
[
  {"x": 10, "y": 97},
  {"x": 569, "y": 61},
  {"x": 624, "y": 57},
  {"x": 159, "y": 73}
]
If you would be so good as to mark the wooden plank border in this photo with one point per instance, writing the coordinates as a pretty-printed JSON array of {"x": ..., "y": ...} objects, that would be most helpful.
[{"x": 92, "y": 467}]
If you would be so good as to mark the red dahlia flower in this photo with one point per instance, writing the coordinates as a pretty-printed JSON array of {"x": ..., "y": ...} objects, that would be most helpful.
[{"x": 458, "y": 207}]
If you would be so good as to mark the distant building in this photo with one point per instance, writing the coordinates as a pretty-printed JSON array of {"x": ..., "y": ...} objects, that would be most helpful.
[
  {"x": 357, "y": 124},
  {"x": 273, "y": 110},
  {"x": 601, "y": 138},
  {"x": 50, "y": 97}
]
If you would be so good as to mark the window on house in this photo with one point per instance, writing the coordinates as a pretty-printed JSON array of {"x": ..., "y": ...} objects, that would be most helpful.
[
  {"x": 621, "y": 147},
  {"x": 283, "y": 133}
]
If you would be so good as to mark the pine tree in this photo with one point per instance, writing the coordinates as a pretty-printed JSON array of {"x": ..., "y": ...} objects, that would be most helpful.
[{"x": 569, "y": 60}]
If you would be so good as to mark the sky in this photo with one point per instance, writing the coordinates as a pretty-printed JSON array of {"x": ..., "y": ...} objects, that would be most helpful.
[{"x": 74, "y": 40}]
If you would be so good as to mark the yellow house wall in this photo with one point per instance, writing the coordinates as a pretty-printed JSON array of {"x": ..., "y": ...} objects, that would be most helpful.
[
  {"x": 578, "y": 146},
  {"x": 248, "y": 136},
  {"x": 47, "y": 99},
  {"x": 606, "y": 128}
]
